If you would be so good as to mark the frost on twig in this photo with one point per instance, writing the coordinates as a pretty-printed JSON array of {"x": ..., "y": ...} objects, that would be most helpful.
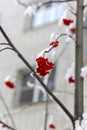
[{"x": 81, "y": 124}]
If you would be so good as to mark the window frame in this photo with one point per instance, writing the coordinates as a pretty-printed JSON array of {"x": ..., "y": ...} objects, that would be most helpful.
[
  {"x": 36, "y": 90},
  {"x": 52, "y": 6}
]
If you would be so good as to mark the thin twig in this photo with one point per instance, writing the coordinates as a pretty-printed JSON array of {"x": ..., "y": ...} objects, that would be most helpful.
[
  {"x": 7, "y": 109},
  {"x": 72, "y": 10},
  {"x": 53, "y": 1},
  {"x": 21, "y": 3},
  {"x": 46, "y": 51},
  {"x": 37, "y": 77},
  {"x": 46, "y": 105},
  {"x": 71, "y": 7},
  {"x": 84, "y": 27},
  {"x": 46, "y": 112},
  {"x": 43, "y": 3},
  {"x": 6, "y": 48},
  {"x": 84, "y": 6},
  {"x": 3, "y": 43},
  {"x": 65, "y": 34},
  {"x": 6, "y": 125}
]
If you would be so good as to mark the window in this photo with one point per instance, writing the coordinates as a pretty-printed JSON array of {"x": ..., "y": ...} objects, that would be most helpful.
[
  {"x": 47, "y": 14},
  {"x": 28, "y": 89}
]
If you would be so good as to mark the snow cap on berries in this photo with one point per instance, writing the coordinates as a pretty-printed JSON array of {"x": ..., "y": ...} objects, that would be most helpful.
[
  {"x": 77, "y": 125},
  {"x": 83, "y": 72},
  {"x": 65, "y": 19},
  {"x": 30, "y": 11},
  {"x": 70, "y": 74},
  {"x": 9, "y": 82},
  {"x": 51, "y": 124}
]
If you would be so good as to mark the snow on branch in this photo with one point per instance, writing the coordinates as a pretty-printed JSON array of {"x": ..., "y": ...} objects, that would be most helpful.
[
  {"x": 6, "y": 125},
  {"x": 81, "y": 124}
]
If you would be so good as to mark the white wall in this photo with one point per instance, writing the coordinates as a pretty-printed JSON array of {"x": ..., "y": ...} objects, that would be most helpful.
[{"x": 29, "y": 44}]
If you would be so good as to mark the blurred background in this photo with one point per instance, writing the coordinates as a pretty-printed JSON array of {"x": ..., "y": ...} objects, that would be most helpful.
[{"x": 27, "y": 103}]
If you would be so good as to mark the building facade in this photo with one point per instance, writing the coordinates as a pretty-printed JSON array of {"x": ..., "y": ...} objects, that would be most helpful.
[{"x": 30, "y": 35}]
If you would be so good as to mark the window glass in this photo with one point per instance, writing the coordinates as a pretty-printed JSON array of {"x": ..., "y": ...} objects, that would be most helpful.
[
  {"x": 46, "y": 18},
  {"x": 26, "y": 88},
  {"x": 37, "y": 20},
  {"x": 29, "y": 89},
  {"x": 48, "y": 14},
  {"x": 59, "y": 11}
]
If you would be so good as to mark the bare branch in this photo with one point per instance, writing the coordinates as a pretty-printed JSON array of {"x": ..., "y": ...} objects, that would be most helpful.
[
  {"x": 64, "y": 34},
  {"x": 22, "y": 4},
  {"x": 84, "y": 27},
  {"x": 53, "y": 1},
  {"x": 4, "y": 44},
  {"x": 6, "y": 48},
  {"x": 46, "y": 111},
  {"x": 46, "y": 51},
  {"x": 37, "y": 77},
  {"x": 72, "y": 10},
  {"x": 43, "y": 3},
  {"x": 84, "y": 6},
  {"x": 71, "y": 7},
  {"x": 7, "y": 109},
  {"x": 6, "y": 125}
]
